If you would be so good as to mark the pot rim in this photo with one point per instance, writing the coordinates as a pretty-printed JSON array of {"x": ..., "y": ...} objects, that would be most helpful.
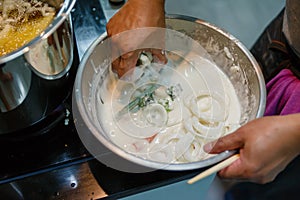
[
  {"x": 60, "y": 17},
  {"x": 148, "y": 163}
]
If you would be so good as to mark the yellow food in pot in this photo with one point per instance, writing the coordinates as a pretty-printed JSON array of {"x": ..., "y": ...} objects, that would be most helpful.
[
  {"x": 21, "y": 35},
  {"x": 21, "y": 21}
]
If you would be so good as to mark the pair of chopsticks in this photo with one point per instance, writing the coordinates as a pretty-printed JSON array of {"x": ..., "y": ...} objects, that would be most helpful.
[{"x": 214, "y": 169}]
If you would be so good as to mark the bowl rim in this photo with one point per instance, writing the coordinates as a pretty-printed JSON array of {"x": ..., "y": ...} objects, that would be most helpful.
[
  {"x": 254, "y": 63},
  {"x": 148, "y": 163}
]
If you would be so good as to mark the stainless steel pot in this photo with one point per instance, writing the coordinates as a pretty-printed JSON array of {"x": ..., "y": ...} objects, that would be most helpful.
[
  {"x": 36, "y": 78},
  {"x": 225, "y": 50}
]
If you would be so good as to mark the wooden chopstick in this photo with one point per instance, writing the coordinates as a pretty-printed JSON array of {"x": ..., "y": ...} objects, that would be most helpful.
[{"x": 214, "y": 169}]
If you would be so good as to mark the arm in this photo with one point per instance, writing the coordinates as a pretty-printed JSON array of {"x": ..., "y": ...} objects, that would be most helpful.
[
  {"x": 135, "y": 14},
  {"x": 267, "y": 145}
]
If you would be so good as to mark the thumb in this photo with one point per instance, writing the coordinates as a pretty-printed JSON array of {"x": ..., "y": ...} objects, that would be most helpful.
[{"x": 229, "y": 142}]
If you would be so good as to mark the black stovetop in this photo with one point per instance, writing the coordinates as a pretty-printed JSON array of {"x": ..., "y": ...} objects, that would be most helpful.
[{"x": 56, "y": 165}]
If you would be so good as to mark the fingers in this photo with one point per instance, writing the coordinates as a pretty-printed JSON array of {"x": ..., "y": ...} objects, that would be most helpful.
[
  {"x": 245, "y": 170},
  {"x": 234, "y": 171},
  {"x": 125, "y": 63},
  {"x": 229, "y": 142},
  {"x": 159, "y": 56},
  {"x": 128, "y": 61}
]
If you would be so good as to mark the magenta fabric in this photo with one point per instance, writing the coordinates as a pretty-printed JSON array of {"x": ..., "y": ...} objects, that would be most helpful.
[{"x": 283, "y": 94}]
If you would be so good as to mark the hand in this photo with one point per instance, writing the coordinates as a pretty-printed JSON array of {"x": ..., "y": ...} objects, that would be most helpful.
[
  {"x": 266, "y": 146},
  {"x": 135, "y": 14}
]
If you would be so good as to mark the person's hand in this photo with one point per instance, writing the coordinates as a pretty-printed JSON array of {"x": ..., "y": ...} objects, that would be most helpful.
[
  {"x": 135, "y": 14},
  {"x": 266, "y": 146}
]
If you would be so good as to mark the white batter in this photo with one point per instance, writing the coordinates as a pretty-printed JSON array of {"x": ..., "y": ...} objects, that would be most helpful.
[{"x": 204, "y": 108}]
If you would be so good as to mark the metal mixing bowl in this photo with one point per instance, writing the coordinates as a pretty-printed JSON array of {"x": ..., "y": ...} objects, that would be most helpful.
[{"x": 248, "y": 83}]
